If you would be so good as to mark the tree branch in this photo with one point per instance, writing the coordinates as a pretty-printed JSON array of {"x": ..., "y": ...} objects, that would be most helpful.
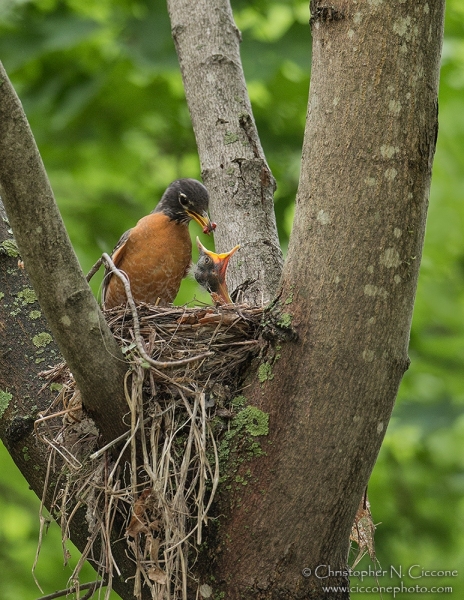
[
  {"x": 72, "y": 312},
  {"x": 233, "y": 164}
]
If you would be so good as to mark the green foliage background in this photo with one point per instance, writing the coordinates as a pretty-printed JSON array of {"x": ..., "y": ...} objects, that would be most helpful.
[{"x": 100, "y": 84}]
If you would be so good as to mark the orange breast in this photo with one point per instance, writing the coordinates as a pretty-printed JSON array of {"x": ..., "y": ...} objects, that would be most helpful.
[{"x": 155, "y": 257}]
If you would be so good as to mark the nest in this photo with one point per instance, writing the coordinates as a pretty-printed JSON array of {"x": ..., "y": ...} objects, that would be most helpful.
[{"x": 184, "y": 369}]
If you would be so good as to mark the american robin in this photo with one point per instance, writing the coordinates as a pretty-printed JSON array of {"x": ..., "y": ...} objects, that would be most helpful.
[
  {"x": 156, "y": 253},
  {"x": 210, "y": 272}
]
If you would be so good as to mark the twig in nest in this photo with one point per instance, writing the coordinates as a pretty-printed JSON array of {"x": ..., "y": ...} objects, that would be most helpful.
[
  {"x": 138, "y": 338},
  {"x": 91, "y": 586},
  {"x": 94, "y": 269},
  {"x": 114, "y": 442}
]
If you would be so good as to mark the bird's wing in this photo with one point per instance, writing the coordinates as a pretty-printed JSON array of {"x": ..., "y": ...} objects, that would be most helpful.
[{"x": 116, "y": 256}]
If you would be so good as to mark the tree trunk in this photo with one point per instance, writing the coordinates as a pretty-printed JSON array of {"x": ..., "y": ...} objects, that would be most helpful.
[{"x": 348, "y": 290}]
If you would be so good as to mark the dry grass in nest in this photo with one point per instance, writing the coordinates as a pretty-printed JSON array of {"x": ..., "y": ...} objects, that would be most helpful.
[{"x": 185, "y": 375}]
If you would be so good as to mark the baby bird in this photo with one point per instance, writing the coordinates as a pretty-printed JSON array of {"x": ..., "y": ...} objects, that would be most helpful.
[{"x": 210, "y": 272}]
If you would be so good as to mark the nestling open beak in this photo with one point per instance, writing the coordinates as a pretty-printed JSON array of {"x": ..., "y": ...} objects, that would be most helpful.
[
  {"x": 216, "y": 278},
  {"x": 203, "y": 220}
]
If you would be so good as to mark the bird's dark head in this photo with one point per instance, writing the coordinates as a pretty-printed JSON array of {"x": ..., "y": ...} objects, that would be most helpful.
[
  {"x": 210, "y": 271},
  {"x": 187, "y": 199}
]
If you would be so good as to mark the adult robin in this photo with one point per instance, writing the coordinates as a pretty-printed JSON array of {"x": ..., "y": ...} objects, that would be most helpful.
[
  {"x": 156, "y": 254},
  {"x": 210, "y": 272}
]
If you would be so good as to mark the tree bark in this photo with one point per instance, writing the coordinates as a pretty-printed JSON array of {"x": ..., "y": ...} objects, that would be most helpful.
[
  {"x": 72, "y": 312},
  {"x": 233, "y": 164},
  {"x": 348, "y": 290}
]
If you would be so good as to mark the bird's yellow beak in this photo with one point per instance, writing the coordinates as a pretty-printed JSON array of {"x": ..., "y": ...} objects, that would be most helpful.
[
  {"x": 220, "y": 260},
  {"x": 203, "y": 220}
]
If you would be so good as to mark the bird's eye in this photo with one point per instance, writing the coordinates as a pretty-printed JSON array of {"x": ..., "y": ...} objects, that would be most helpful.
[
  {"x": 183, "y": 199},
  {"x": 207, "y": 260}
]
